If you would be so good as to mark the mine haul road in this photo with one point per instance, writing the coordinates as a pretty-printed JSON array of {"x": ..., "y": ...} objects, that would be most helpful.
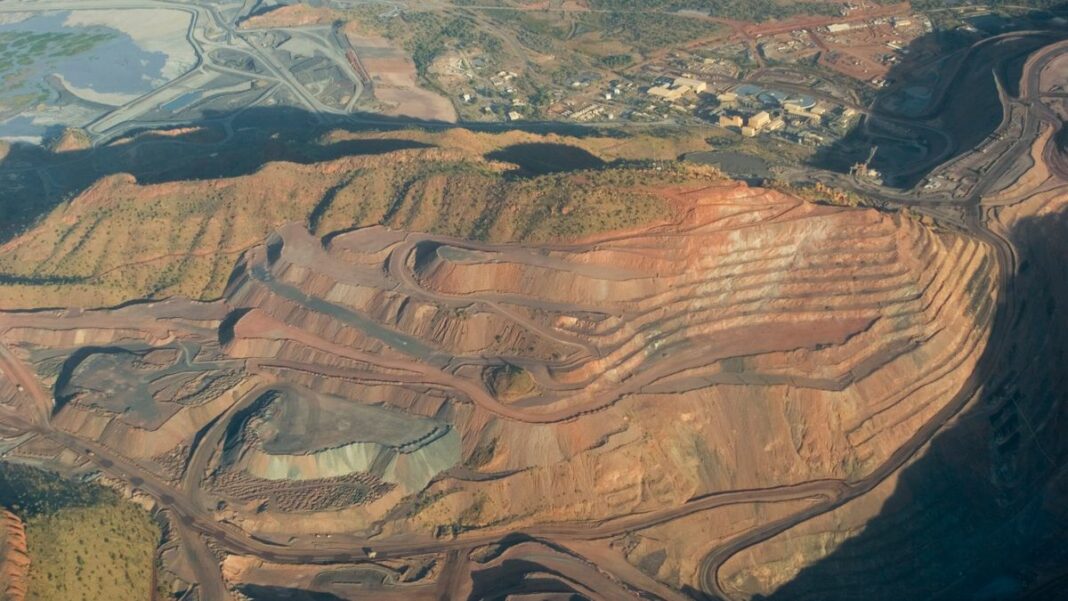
[
  {"x": 827, "y": 495},
  {"x": 183, "y": 503},
  {"x": 343, "y": 548},
  {"x": 1055, "y": 157},
  {"x": 984, "y": 372}
]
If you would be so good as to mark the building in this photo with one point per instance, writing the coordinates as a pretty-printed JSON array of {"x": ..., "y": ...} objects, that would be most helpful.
[
  {"x": 749, "y": 132},
  {"x": 514, "y": 116},
  {"x": 840, "y": 27},
  {"x": 677, "y": 88},
  {"x": 759, "y": 120},
  {"x": 797, "y": 111},
  {"x": 730, "y": 121},
  {"x": 727, "y": 98},
  {"x": 667, "y": 93},
  {"x": 588, "y": 113},
  {"x": 775, "y": 124},
  {"x": 696, "y": 85}
]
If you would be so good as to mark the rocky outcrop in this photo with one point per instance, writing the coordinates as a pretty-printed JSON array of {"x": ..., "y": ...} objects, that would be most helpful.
[
  {"x": 70, "y": 140},
  {"x": 14, "y": 561}
]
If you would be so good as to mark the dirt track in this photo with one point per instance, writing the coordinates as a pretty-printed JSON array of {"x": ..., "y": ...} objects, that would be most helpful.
[{"x": 599, "y": 325}]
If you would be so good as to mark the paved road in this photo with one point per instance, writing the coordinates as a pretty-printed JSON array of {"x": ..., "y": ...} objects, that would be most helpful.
[{"x": 203, "y": 18}]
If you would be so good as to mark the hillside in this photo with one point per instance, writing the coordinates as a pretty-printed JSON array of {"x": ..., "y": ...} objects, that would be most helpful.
[
  {"x": 63, "y": 540},
  {"x": 493, "y": 353},
  {"x": 486, "y": 365},
  {"x": 116, "y": 240}
]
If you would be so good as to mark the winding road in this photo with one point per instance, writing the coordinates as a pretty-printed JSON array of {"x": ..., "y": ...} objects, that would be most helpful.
[{"x": 423, "y": 366}]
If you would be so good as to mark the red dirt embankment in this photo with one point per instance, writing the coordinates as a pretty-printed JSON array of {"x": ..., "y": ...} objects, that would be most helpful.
[
  {"x": 294, "y": 15},
  {"x": 14, "y": 561}
]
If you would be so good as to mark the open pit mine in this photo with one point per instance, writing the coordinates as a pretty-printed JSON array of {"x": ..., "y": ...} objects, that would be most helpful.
[
  {"x": 387, "y": 414},
  {"x": 751, "y": 396}
]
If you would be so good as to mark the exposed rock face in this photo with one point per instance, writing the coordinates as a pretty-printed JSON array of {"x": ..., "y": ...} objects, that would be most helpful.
[
  {"x": 14, "y": 562},
  {"x": 293, "y": 15},
  {"x": 301, "y": 436},
  {"x": 70, "y": 140},
  {"x": 752, "y": 341},
  {"x": 981, "y": 511}
]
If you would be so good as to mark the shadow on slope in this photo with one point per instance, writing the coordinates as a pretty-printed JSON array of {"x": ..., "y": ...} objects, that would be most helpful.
[
  {"x": 983, "y": 515},
  {"x": 217, "y": 145},
  {"x": 953, "y": 91},
  {"x": 257, "y": 592},
  {"x": 538, "y": 158}
]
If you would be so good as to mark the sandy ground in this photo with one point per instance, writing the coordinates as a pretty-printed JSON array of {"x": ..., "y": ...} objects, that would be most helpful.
[
  {"x": 9, "y": 18},
  {"x": 91, "y": 95},
  {"x": 395, "y": 85}
]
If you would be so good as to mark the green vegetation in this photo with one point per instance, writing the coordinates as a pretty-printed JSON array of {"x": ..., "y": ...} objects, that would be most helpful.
[
  {"x": 31, "y": 492},
  {"x": 617, "y": 61},
  {"x": 119, "y": 240},
  {"x": 941, "y": 4},
  {"x": 106, "y": 551},
  {"x": 772, "y": 151},
  {"x": 741, "y": 10},
  {"x": 426, "y": 35},
  {"x": 589, "y": 34},
  {"x": 823, "y": 194},
  {"x": 646, "y": 31},
  {"x": 20, "y": 50},
  {"x": 547, "y": 49},
  {"x": 464, "y": 199},
  {"x": 469, "y": 519},
  {"x": 85, "y": 543}
]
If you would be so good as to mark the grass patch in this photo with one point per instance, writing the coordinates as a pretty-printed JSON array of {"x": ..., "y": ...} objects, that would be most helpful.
[
  {"x": 106, "y": 551},
  {"x": 85, "y": 543}
]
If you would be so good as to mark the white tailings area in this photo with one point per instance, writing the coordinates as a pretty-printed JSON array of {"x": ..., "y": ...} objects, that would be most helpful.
[{"x": 411, "y": 468}]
